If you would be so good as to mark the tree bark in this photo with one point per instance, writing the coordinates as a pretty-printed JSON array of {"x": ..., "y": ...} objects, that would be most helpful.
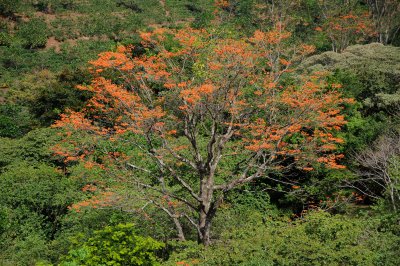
[
  {"x": 204, "y": 229},
  {"x": 205, "y": 210}
]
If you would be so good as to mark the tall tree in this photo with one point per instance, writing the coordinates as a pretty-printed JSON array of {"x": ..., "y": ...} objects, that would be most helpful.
[{"x": 205, "y": 115}]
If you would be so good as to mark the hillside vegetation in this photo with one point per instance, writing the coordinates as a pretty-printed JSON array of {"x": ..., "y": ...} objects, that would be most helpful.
[{"x": 199, "y": 132}]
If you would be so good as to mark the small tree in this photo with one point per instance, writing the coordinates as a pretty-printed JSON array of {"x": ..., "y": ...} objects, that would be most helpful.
[{"x": 205, "y": 116}]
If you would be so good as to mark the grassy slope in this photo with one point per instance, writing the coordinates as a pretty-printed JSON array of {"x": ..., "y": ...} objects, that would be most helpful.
[{"x": 77, "y": 30}]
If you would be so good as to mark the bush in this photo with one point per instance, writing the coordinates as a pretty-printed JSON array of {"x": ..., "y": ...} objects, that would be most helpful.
[
  {"x": 9, "y": 7},
  {"x": 5, "y": 39},
  {"x": 114, "y": 245},
  {"x": 43, "y": 5},
  {"x": 34, "y": 33}
]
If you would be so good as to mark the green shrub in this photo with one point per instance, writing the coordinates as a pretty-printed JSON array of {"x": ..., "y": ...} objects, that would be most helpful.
[
  {"x": 9, "y": 7},
  {"x": 33, "y": 33},
  {"x": 43, "y": 5},
  {"x": 6, "y": 39},
  {"x": 114, "y": 245}
]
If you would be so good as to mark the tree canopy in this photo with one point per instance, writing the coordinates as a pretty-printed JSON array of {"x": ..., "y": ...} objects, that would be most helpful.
[{"x": 213, "y": 106}]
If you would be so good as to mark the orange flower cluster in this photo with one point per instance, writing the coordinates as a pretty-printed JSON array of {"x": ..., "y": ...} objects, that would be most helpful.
[
  {"x": 271, "y": 37},
  {"x": 104, "y": 199},
  {"x": 312, "y": 113}
]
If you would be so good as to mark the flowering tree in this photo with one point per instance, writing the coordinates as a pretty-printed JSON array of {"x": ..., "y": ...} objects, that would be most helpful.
[
  {"x": 347, "y": 29},
  {"x": 344, "y": 23},
  {"x": 204, "y": 115}
]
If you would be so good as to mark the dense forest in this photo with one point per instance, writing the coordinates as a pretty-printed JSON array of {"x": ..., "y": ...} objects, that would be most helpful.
[{"x": 199, "y": 132}]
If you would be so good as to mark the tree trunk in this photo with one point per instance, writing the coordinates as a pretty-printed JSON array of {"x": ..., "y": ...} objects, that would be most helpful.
[
  {"x": 206, "y": 212},
  {"x": 204, "y": 229}
]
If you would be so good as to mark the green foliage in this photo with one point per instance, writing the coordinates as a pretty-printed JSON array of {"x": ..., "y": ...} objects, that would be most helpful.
[
  {"x": 33, "y": 148},
  {"x": 114, "y": 245},
  {"x": 47, "y": 95},
  {"x": 367, "y": 71},
  {"x": 370, "y": 74},
  {"x": 9, "y": 7},
  {"x": 5, "y": 38},
  {"x": 25, "y": 243},
  {"x": 130, "y": 4},
  {"x": 35, "y": 198},
  {"x": 34, "y": 33},
  {"x": 387, "y": 219},
  {"x": 89, "y": 220},
  {"x": 9, "y": 114},
  {"x": 244, "y": 15},
  {"x": 39, "y": 187},
  {"x": 42, "y": 5},
  {"x": 316, "y": 239}
]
